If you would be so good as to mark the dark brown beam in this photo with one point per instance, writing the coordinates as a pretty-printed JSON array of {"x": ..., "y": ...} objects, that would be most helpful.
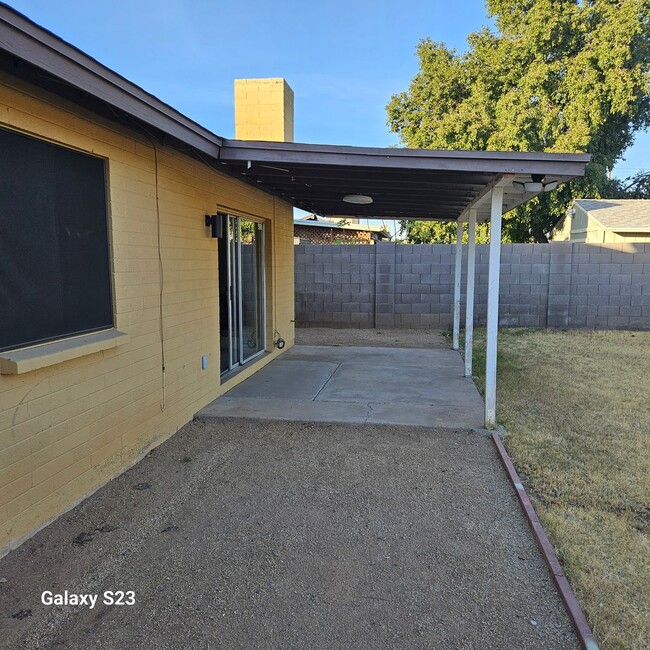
[
  {"x": 327, "y": 208},
  {"x": 305, "y": 174},
  {"x": 460, "y": 198},
  {"x": 491, "y": 162},
  {"x": 368, "y": 187}
]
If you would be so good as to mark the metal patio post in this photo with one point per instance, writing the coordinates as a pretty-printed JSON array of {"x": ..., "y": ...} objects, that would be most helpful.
[
  {"x": 469, "y": 306},
  {"x": 457, "y": 277},
  {"x": 493, "y": 307}
]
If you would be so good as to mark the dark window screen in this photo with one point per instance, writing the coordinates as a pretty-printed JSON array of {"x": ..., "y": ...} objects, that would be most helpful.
[{"x": 54, "y": 260}]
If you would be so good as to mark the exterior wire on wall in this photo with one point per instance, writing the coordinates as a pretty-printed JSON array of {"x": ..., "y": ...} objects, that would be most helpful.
[
  {"x": 161, "y": 273},
  {"x": 273, "y": 279}
]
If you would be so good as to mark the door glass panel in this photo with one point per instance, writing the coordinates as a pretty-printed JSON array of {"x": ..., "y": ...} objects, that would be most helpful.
[
  {"x": 251, "y": 236},
  {"x": 224, "y": 301},
  {"x": 241, "y": 292},
  {"x": 233, "y": 243}
]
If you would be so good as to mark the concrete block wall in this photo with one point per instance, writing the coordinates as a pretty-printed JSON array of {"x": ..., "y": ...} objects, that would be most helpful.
[
  {"x": 562, "y": 284},
  {"x": 335, "y": 285}
]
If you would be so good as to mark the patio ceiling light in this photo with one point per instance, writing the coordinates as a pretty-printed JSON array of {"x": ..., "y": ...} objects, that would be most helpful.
[{"x": 358, "y": 199}]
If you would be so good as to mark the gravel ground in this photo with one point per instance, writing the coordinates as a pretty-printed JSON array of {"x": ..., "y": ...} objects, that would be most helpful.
[
  {"x": 243, "y": 534},
  {"x": 371, "y": 337}
]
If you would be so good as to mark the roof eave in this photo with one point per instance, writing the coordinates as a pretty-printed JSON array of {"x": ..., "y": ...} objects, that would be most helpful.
[
  {"x": 496, "y": 162},
  {"x": 25, "y": 40},
  {"x": 641, "y": 229}
]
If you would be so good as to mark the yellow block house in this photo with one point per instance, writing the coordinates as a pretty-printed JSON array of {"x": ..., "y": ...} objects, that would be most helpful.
[
  {"x": 146, "y": 263},
  {"x": 602, "y": 221},
  {"x": 121, "y": 314}
]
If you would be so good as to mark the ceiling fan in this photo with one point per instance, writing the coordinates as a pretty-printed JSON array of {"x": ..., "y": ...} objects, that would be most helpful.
[{"x": 536, "y": 184}]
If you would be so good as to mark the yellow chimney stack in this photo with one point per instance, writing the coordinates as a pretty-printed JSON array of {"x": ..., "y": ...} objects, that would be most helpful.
[{"x": 263, "y": 110}]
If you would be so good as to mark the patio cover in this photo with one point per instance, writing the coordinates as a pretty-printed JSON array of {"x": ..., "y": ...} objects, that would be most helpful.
[{"x": 403, "y": 183}]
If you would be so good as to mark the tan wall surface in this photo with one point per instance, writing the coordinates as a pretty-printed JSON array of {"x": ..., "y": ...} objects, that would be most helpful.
[{"x": 68, "y": 428}]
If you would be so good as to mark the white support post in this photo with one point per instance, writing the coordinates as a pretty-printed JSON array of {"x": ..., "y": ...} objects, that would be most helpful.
[
  {"x": 493, "y": 308},
  {"x": 469, "y": 305},
  {"x": 457, "y": 272}
]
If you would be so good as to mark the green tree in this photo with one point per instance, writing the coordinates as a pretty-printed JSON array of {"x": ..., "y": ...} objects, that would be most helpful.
[
  {"x": 439, "y": 232},
  {"x": 633, "y": 187},
  {"x": 554, "y": 75}
]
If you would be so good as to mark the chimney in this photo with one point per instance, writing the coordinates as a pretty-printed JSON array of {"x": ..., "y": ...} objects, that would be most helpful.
[{"x": 263, "y": 110}]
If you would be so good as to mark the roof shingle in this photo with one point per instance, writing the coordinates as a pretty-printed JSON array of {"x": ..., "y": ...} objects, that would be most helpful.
[{"x": 619, "y": 214}]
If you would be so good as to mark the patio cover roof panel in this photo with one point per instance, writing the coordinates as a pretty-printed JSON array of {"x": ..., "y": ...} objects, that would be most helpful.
[{"x": 404, "y": 183}]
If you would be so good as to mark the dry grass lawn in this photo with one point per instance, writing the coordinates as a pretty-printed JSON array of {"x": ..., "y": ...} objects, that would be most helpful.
[{"x": 577, "y": 409}]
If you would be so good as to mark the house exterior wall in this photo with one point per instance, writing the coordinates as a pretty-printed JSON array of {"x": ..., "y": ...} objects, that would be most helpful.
[
  {"x": 68, "y": 428},
  {"x": 561, "y": 284},
  {"x": 584, "y": 228}
]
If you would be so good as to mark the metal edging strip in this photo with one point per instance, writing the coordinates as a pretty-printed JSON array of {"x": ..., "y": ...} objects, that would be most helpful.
[{"x": 577, "y": 616}]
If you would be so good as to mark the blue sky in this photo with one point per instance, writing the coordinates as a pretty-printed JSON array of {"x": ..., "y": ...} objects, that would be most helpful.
[{"x": 343, "y": 60}]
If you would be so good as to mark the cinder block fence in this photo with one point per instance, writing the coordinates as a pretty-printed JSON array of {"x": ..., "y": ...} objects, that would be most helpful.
[{"x": 562, "y": 284}]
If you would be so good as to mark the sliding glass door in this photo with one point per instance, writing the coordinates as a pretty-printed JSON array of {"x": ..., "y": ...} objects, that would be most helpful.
[{"x": 241, "y": 291}]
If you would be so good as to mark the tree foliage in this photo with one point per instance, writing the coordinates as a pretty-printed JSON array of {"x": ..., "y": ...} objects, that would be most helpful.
[
  {"x": 553, "y": 75},
  {"x": 438, "y": 232},
  {"x": 633, "y": 187}
]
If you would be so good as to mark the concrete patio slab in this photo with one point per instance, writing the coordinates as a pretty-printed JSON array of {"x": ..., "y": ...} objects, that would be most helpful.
[{"x": 358, "y": 384}]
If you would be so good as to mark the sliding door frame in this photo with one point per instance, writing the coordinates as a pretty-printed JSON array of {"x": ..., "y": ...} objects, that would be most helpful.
[{"x": 235, "y": 289}]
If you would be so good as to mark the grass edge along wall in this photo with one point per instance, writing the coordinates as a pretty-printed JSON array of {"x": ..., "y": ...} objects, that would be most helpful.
[{"x": 68, "y": 428}]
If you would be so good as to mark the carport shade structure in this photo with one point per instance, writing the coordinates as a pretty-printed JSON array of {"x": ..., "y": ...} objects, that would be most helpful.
[
  {"x": 403, "y": 183},
  {"x": 422, "y": 184}
]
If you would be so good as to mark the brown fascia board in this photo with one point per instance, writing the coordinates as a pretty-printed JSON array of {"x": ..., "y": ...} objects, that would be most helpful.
[
  {"x": 495, "y": 162},
  {"x": 27, "y": 41}
]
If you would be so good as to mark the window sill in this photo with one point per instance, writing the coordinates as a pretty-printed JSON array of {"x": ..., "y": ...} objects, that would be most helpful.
[{"x": 17, "y": 362}]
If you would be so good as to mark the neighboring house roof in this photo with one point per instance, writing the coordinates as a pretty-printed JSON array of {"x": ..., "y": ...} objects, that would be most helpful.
[
  {"x": 404, "y": 183},
  {"x": 321, "y": 222},
  {"x": 620, "y": 215}
]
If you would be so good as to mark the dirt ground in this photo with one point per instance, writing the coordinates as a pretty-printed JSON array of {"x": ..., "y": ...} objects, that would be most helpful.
[
  {"x": 249, "y": 534},
  {"x": 380, "y": 338}
]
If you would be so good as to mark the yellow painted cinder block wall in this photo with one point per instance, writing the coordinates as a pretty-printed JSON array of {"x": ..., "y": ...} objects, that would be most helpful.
[
  {"x": 68, "y": 428},
  {"x": 263, "y": 110}
]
